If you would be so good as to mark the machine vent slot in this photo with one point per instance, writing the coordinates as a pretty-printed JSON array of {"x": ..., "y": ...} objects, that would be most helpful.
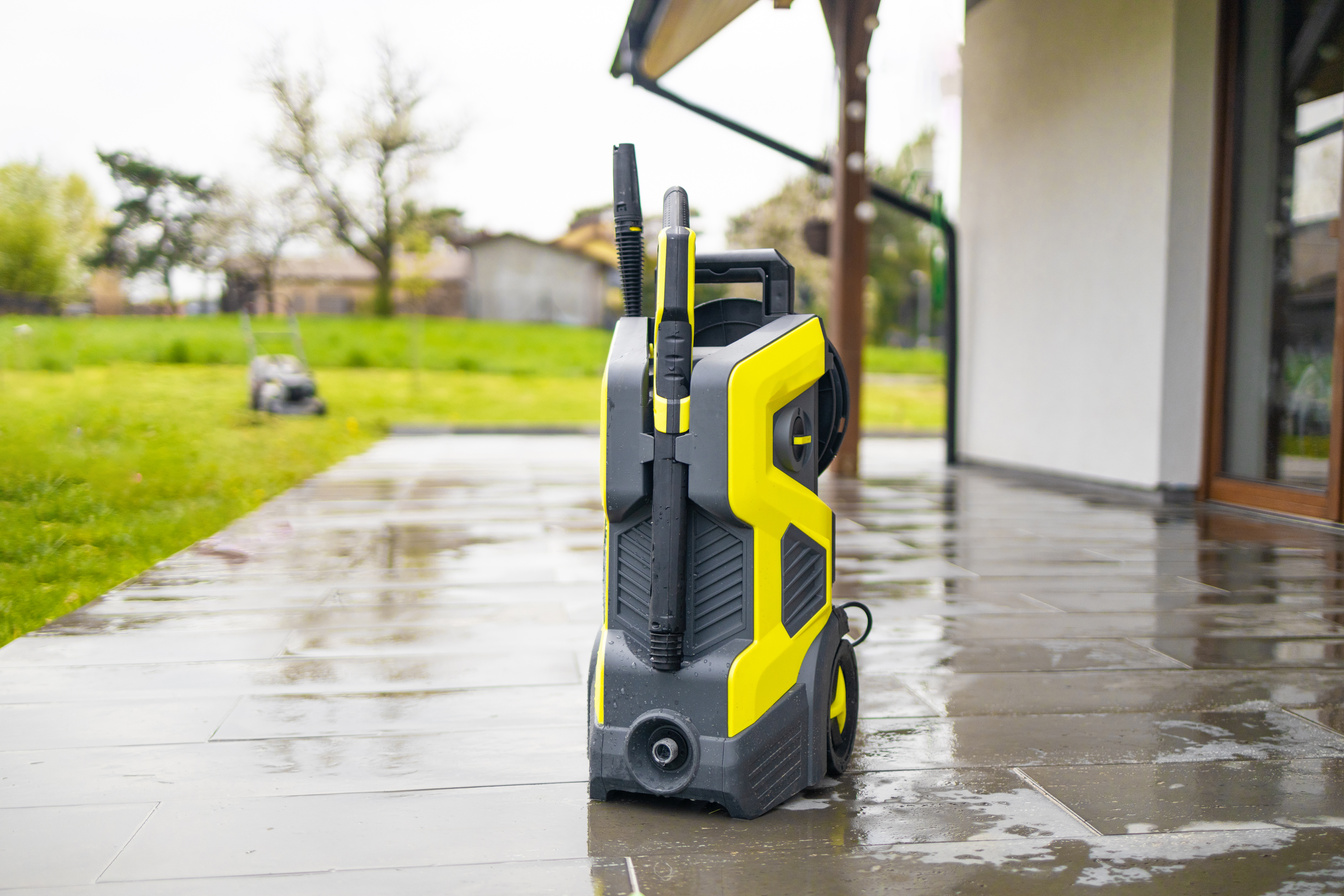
[
  {"x": 718, "y": 584},
  {"x": 778, "y": 767},
  {"x": 634, "y": 564},
  {"x": 803, "y": 579}
]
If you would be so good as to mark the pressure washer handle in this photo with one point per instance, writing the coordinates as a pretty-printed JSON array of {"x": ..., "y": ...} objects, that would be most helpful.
[
  {"x": 674, "y": 322},
  {"x": 629, "y": 226},
  {"x": 674, "y": 328}
]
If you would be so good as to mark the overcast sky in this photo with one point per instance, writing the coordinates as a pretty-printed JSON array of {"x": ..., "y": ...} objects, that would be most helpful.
[{"x": 527, "y": 81}]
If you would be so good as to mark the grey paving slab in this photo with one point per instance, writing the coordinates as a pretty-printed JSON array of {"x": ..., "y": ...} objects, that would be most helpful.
[
  {"x": 481, "y": 709},
  {"x": 1193, "y": 796},
  {"x": 926, "y": 805},
  {"x": 1261, "y": 652},
  {"x": 897, "y": 603},
  {"x": 1045, "y": 655},
  {"x": 1241, "y": 863},
  {"x": 1212, "y": 623},
  {"x": 190, "y": 839},
  {"x": 109, "y": 723},
  {"x": 1086, "y": 691},
  {"x": 1042, "y": 586},
  {"x": 892, "y": 700},
  {"x": 143, "y": 647},
  {"x": 292, "y": 675},
  {"x": 1008, "y": 741},
  {"x": 1166, "y": 602},
  {"x": 297, "y": 765},
  {"x": 186, "y": 839},
  {"x": 564, "y": 877},
  {"x": 97, "y": 619},
  {"x": 1331, "y": 716},
  {"x": 375, "y": 683},
  {"x": 50, "y": 846},
  {"x": 441, "y": 634}
]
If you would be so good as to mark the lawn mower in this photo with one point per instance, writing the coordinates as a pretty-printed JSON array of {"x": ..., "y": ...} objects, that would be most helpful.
[
  {"x": 722, "y": 671},
  {"x": 280, "y": 383}
]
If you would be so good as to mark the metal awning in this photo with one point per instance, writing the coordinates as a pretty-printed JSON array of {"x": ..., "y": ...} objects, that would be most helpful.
[{"x": 661, "y": 33}]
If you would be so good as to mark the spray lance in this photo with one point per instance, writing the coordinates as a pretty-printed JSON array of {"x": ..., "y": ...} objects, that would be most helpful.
[{"x": 673, "y": 329}]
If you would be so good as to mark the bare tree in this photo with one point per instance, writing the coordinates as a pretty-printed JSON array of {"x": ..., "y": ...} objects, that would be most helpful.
[
  {"x": 257, "y": 227},
  {"x": 361, "y": 181}
]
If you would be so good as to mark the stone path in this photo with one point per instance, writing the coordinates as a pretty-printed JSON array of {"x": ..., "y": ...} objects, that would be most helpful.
[{"x": 374, "y": 684}]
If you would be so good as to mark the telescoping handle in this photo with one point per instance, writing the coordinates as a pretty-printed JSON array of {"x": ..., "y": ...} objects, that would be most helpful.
[
  {"x": 675, "y": 321},
  {"x": 674, "y": 327}
]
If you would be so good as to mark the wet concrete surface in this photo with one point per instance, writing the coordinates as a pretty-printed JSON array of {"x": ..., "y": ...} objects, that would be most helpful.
[{"x": 375, "y": 683}]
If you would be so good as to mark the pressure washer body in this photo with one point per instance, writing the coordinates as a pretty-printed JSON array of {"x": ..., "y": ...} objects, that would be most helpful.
[{"x": 722, "y": 671}]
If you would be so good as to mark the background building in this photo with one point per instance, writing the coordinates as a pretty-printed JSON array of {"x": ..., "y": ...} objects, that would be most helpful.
[
  {"x": 342, "y": 282},
  {"x": 1150, "y": 211},
  {"x": 516, "y": 278}
]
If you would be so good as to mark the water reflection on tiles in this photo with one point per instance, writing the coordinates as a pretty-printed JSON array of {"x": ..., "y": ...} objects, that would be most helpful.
[{"x": 376, "y": 683}]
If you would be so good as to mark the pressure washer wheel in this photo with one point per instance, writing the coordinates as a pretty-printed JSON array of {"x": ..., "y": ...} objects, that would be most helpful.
[{"x": 844, "y": 722}]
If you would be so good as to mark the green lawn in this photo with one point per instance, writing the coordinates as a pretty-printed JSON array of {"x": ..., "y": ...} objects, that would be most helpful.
[
  {"x": 438, "y": 343},
  {"x": 106, "y": 470},
  {"x": 336, "y": 341},
  {"x": 107, "y": 465},
  {"x": 919, "y": 361},
  {"x": 904, "y": 407}
]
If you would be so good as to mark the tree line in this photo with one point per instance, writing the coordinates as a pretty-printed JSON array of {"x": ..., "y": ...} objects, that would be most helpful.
[{"x": 352, "y": 182}]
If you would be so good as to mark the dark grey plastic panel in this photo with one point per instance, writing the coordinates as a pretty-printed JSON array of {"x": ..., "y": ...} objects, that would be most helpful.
[
  {"x": 719, "y": 586},
  {"x": 632, "y": 577},
  {"x": 776, "y": 770},
  {"x": 698, "y": 690},
  {"x": 748, "y": 774},
  {"x": 628, "y": 418},
  {"x": 803, "y": 579},
  {"x": 806, "y": 474},
  {"x": 719, "y": 566}
]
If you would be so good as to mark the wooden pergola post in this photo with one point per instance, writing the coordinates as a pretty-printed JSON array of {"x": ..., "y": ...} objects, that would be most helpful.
[{"x": 851, "y": 24}]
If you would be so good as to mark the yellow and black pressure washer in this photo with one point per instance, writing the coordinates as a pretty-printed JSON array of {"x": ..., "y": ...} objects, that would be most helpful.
[{"x": 722, "y": 671}]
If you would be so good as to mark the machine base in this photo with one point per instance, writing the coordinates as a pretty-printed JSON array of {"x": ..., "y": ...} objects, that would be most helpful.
[{"x": 748, "y": 774}]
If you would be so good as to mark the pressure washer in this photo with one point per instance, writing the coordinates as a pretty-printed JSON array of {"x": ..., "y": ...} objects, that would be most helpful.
[{"x": 722, "y": 671}]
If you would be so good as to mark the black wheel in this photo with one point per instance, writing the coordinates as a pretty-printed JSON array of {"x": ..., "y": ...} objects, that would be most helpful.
[
  {"x": 844, "y": 710},
  {"x": 832, "y": 408}
]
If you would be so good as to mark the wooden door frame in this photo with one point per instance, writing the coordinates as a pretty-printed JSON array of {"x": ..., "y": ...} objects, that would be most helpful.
[{"x": 1214, "y": 486}]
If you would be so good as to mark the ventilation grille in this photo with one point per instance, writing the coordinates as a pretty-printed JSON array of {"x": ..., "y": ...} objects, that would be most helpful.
[
  {"x": 634, "y": 564},
  {"x": 717, "y": 579},
  {"x": 718, "y": 584},
  {"x": 803, "y": 577},
  {"x": 778, "y": 767}
]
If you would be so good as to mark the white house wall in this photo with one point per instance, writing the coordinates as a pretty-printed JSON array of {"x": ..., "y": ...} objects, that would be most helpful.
[
  {"x": 1189, "y": 241},
  {"x": 514, "y": 279},
  {"x": 1082, "y": 338}
]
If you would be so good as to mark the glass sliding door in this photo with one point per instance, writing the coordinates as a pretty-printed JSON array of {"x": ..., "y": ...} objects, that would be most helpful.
[{"x": 1275, "y": 434}]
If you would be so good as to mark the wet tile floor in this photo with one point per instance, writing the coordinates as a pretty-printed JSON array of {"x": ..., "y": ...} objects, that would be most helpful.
[{"x": 375, "y": 684}]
